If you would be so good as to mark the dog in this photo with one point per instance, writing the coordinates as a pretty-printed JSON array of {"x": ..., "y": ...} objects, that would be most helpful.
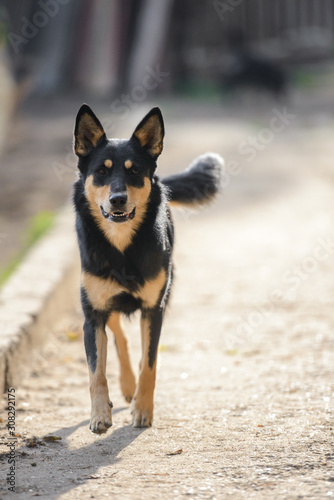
[
  {"x": 248, "y": 69},
  {"x": 125, "y": 235},
  {"x": 257, "y": 73}
]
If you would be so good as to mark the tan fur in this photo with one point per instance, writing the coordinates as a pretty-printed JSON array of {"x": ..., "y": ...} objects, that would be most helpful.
[
  {"x": 139, "y": 196},
  {"x": 127, "y": 378},
  {"x": 150, "y": 292},
  {"x": 100, "y": 290},
  {"x": 142, "y": 404},
  {"x": 189, "y": 205},
  {"x": 178, "y": 204},
  {"x": 87, "y": 128},
  {"x": 151, "y": 132},
  {"x": 100, "y": 411},
  {"x": 128, "y": 164},
  {"x": 119, "y": 235},
  {"x": 96, "y": 195},
  {"x": 108, "y": 163}
]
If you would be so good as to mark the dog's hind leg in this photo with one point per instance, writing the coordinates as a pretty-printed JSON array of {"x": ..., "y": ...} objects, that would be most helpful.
[
  {"x": 142, "y": 404},
  {"x": 96, "y": 351},
  {"x": 127, "y": 378}
]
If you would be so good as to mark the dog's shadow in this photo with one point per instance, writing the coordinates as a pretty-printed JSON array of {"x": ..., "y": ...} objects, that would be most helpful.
[{"x": 68, "y": 468}]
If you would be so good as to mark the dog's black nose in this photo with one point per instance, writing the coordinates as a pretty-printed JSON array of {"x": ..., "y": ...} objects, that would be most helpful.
[{"x": 118, "y": 200}]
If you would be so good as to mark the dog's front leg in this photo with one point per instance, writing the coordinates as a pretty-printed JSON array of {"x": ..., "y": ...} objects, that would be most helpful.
[
  {"x": 127, "y": 378},
  {"x": 96, "y": 352},
  {"x": 142, "y": 404}
]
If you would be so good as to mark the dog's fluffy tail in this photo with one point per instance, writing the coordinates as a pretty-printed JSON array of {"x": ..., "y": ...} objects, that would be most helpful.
[{"x": 198, "y": 184}]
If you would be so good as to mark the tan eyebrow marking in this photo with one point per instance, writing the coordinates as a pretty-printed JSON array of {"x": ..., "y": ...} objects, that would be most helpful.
[
  {"x": 128, "y": 164},
  {"x": 108, "y": 163}
]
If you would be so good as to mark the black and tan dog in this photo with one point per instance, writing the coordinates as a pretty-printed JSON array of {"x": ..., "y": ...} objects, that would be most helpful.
[{"x": 125, "y": 235}]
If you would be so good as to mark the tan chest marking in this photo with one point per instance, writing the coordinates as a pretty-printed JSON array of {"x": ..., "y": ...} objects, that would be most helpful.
[
  {"x": 150, "y": 292},
  {"x": 119, "y": 235},
  {"x": 100, "y": 290}
]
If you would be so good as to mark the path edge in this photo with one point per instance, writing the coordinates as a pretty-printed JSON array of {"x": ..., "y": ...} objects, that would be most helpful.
[{"x": 44, "y": 287}]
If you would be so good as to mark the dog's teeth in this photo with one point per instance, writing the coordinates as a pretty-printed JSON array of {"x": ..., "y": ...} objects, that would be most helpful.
[{"x": 118, "y": 214}]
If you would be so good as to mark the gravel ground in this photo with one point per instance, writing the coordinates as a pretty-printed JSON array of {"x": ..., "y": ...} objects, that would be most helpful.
[{"x": 244, "y": 397}]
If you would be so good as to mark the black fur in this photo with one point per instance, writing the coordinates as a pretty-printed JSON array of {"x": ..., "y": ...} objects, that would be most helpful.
[
  {"x": 257, "y": 73},
  {"x": 199, "y": 183}
]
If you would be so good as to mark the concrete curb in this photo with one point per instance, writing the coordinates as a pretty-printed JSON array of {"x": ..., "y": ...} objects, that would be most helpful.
[{"x": 43, "y": 288}]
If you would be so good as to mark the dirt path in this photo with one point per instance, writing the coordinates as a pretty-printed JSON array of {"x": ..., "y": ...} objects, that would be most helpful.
[{"x": 244, "y": 398}]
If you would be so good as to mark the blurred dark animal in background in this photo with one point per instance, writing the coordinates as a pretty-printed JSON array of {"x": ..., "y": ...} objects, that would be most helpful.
[{"x": 250, "y": 70}]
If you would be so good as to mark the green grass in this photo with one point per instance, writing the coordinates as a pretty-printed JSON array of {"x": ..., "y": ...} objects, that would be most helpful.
[
  {"x": 38, "y": 225},
  {"x": 304, "y": 79},
  {"x": 195, "y": 89}
]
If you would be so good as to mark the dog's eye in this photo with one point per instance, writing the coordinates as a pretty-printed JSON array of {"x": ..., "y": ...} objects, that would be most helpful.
[
  {"x": 134, "y": 171},
  {"x": 102, "y": 171}
]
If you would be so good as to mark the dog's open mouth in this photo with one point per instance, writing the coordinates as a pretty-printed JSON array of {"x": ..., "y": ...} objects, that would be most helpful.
[{"x": 118, "y": 215}]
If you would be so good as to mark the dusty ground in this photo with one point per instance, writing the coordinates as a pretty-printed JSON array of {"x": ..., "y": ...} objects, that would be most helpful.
[{"x": 244, "y": 397}]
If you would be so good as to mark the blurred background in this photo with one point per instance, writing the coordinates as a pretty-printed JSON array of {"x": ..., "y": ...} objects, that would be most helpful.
[{"x": 221, "y": 71}]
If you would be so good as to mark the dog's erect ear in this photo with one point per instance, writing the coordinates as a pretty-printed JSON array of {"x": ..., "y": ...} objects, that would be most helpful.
[
  {"x": 88, "y": 131},
  {"x": 150, "y": 132}
]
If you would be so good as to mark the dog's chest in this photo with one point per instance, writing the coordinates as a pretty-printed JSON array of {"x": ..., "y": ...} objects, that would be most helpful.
[{"x": 102, "y": 292}]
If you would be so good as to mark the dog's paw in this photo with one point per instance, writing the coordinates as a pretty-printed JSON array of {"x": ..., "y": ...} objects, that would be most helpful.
[
  {"x": 128, "y": 386},
  {"x": 141, "y": 417},
  {"x": 101, "y": 419}
]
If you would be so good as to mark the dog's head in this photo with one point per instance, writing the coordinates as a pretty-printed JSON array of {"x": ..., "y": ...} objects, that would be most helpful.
[{"x": 117, "y": 173}]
